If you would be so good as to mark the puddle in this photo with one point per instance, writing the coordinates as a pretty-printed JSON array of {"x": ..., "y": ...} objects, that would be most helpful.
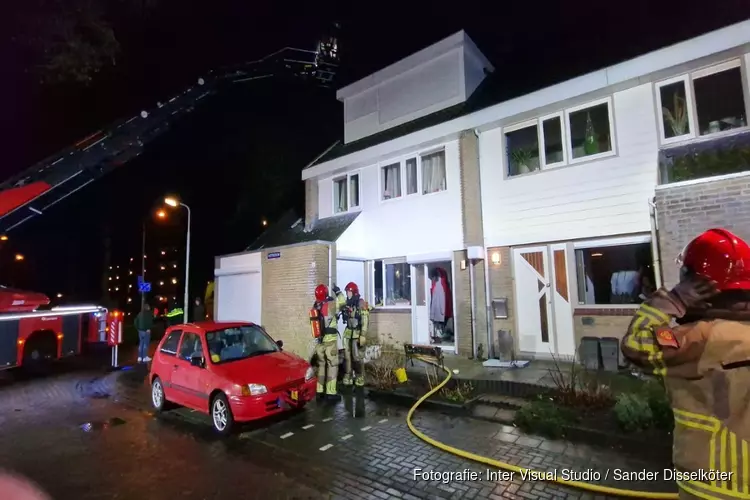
[{"x": 98, "y": 426}]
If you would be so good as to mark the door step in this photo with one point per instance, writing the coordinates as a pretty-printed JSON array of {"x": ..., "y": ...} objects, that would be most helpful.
[{"x": 501, "y": 401}]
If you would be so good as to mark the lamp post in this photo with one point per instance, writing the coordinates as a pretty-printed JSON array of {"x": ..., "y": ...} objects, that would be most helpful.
[{"x": 174, "y": 202}]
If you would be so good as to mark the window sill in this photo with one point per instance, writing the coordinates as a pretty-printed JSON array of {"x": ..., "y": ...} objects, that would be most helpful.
[
  {"x": 435, "y": 192},
  {"x": 606, "y": 310},
  {"x": 698, "y": 139},
  {"x": 391, "y": 309},
  {"x": 594, "y": 157}
]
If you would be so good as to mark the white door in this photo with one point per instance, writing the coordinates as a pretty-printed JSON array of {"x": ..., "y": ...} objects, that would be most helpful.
[
  {"x": 239, "y": 297},
  {"x": 420, "y": 283},
  {"x": 562, "y": 309},
  {"x": 535, "y": 330},
  {"x": 349, "y": 271}
]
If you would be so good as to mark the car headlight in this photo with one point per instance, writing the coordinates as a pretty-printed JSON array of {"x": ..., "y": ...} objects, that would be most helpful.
[
  {"x": 309, "y": 374},
  {"x": 254, "y": 389}
]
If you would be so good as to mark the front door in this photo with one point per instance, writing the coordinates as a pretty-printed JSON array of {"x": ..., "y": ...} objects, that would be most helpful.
[
  {"x": 424, "y": 330},
  {"x": 545, "y": 316},
  {"x": 533, "y": 299},
  {"x": 420, "y": 308}
]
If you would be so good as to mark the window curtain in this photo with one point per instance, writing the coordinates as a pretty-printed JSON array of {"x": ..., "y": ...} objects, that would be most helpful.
[
  {"x": 411, "y": 176},
  {"x": 342, "y": 201},
  {"x": 433, "y": 173},
  {"x": 391, "y": 182}
]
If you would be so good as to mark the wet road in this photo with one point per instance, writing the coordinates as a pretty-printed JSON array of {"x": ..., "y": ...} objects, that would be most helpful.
[{"x": 89, "y": 435}]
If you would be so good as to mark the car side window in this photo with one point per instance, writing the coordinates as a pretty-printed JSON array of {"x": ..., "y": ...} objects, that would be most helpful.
[
  {"x": 190, "y": 346},
  {"x": 169, "y": 347}
]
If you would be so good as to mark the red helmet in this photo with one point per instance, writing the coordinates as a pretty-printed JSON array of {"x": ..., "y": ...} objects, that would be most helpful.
[
  {"x": 352, "y": 287},
  {"x": 720, "y": 256},
  {"x": 321, "y": 293}
]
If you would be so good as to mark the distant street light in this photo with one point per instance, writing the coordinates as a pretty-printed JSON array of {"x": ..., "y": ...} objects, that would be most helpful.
[
  {"x": 174, "y": 202},
  {"x": 4, "y": 237},
  {"x": 161, "y": 214},
  {"x": 19, "y": 257},
  {"x": 264, "y": 222},
  {"x": 59, "y": 295}
]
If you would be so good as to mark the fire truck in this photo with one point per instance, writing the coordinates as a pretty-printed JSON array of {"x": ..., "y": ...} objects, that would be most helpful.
[{"x": 32, "y": 333}]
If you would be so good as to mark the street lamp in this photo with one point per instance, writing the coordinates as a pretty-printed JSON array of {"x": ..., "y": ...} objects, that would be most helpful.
[
  {"x": 174, "y": 202},
  {"x": 4, "y": 237},
  {"x": 19, "y": 257}
]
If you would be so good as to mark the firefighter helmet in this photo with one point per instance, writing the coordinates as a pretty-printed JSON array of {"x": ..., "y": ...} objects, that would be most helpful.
[
  {"x": 321, "y": 293},
  {"x": 720, "y": 256},
  {"x": 352, "y": 287}
]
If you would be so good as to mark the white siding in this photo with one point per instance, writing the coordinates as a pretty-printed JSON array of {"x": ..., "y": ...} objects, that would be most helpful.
[
  {"x": 416, "y": 224},
  {"x": 598, "y": 198},
  {"x": 249, "y": 260},
  {"x": 239, "y": 288}
]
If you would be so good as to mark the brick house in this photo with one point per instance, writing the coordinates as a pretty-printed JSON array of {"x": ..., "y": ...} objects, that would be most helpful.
[{"x": 551, "y": 212}]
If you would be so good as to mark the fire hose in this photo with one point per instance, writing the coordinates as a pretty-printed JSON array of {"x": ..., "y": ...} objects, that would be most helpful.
[{"x": 589, "y": 487}]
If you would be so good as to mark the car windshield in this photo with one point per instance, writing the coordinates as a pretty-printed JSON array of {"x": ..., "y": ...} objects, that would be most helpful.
[{"x": 242, "y": 342}]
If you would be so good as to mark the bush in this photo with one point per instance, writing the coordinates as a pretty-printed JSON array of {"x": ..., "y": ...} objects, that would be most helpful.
[
  {"x": 381, "y": 371},
  {"x": 576, "y": 387},
  {"x": 545, "y": 418},
  {"x": 658, "y": 402},
  {"x": 633, "y": 412}
]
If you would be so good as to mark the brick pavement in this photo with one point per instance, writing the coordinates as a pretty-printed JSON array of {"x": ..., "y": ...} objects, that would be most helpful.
[{"x": 373, "y": 454}]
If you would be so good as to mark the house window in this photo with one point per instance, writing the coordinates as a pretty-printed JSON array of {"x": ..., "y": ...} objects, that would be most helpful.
[
  {"x": 391, "y": 181},
  {"x": 340, "y": 197},
  {"x": 412, "y": 182},
  {"x": 345, "y": 193},
  {"x": 522, "y": 146},
  {"x": 433, "y": 172},
  {"x": 719, "y": 101},
  {"x": 702, "y": 103},
  {"x": 354, "y": 191},
  {"x": 552, "y": 138},
  {"x": 590, "y": 130},
  {"x": 392, "y": 284},
  {"x": 615, "y": 274}
]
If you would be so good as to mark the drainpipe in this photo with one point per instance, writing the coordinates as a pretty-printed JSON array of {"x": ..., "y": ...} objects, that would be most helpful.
[
  {"x": 473, "y": 310},
  {"x": 488, "y": 305},
  {"x": 330, "y": 267},
  {"x": 655, "y": 251}
]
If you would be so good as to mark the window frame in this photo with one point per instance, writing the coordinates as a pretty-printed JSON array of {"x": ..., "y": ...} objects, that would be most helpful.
[
  {"x": 185, "y": 333},
  {"x": 179, "y": 342},
  {"x": 617, "y": 241},
  {"x": 692, "y": 104},
  {"x": 394, "y": 260},
  {"x": 515, "y": 128},
  {"x": 347, "y": 178},
  {"x": 401, "y": 160},
  {"x": 560, "y": 115},
  {"x": 569, "y": 138}
]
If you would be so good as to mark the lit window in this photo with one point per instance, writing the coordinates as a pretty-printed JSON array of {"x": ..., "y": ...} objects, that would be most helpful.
[
  {"x": 174, "y": 281},
  {"x": 433, "y": 172},
  {"x": 617, "y": 274},
  {"x": 161, "y": 283},
  {"x": 590, "y": 131},
  {"x": 162, "y": 267},
  {"x": 392, "y": 284},
  {"x": 345, "y": 193},
  {"x": 522, "y": 146},
  {"x": 163, "y": 252}
]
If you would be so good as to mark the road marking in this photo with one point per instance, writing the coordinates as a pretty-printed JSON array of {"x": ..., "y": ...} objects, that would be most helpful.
[
  {"x": 288, "y": 434},
  {"x": 366, "y": 428},
  {"x": 344, "y": 438},
  {"x": 326, "y": 447},
  {"x": 308, "y": 426},
  {"x": 327, "y": 419},
  {"x": 383, "y": 421}
]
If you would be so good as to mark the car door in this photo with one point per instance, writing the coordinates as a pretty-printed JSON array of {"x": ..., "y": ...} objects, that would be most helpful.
[
  {"x": 164, "y": 364},
  {"x": 186, "y": 378}
]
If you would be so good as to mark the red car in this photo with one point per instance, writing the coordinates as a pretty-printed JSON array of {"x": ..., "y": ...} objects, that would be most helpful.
[{"x": 234, "y": 372}]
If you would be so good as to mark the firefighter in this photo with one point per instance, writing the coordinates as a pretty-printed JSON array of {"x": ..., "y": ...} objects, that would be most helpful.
[
  {"x": 175, "y": 315},
  {"x": 696, "y": 337},
  {"x": 326, "y": 347},
  {"x": 356, "y": 316}
]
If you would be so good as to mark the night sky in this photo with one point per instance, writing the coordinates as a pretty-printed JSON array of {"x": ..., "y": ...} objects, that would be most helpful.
[{"x": 221, "y": 158}]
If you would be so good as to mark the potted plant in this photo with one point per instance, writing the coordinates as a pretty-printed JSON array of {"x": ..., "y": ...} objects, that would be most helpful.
[
  {"x": 677, "y": 121},
  {"x": 521, "y": 159}
]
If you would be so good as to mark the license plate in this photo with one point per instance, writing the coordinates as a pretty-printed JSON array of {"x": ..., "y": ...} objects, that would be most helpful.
[{"x": 294, "y": 396}]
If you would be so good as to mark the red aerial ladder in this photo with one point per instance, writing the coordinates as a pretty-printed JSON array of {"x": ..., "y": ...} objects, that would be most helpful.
[{"x": 30, "y": 331}]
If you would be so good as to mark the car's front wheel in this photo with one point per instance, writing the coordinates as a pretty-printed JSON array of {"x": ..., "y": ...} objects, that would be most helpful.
[
  {"x": 221, "y": 415},
  {"x": 158, "y": 400}
]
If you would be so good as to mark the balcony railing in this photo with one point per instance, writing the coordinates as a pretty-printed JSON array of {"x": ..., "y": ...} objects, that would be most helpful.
[{"x": 723, "y": 155}]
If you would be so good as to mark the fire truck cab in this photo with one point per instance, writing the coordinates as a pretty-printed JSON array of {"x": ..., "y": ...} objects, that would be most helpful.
[{"x": 31, "y": 331}]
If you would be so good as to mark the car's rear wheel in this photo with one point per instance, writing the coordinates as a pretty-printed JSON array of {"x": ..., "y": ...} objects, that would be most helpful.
[
  {"x": 158, "y": 399},
  {"x": 221, "y": 415}
]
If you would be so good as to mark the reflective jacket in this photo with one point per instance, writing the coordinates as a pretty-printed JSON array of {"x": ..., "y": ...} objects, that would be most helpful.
[
  {"x": 356, "y": 319},
  {"x": 706, "y": 369}
]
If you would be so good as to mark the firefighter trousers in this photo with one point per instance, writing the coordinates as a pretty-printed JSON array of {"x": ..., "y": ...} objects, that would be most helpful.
[
  {"x": 354, "y": 362},
  {"x": 327, "y": 352}
]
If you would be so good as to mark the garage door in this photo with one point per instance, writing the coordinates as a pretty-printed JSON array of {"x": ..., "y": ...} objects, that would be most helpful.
[{"x": 239, "y": 298}]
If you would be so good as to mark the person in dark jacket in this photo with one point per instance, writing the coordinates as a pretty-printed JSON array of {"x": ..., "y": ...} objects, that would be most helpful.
[
  {"x": 144, "y": 322},
  {"x": 199, "y": 312}
]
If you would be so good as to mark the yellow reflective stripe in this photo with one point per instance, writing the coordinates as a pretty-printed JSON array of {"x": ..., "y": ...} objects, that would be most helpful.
[
  {"x": 655, "y": 313},
  {"x": 722, "y": 454},
  {"x": 697, "y": 416},
  {"x": 745, "y": 478},
  {"x": 695, "y": 425}
]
